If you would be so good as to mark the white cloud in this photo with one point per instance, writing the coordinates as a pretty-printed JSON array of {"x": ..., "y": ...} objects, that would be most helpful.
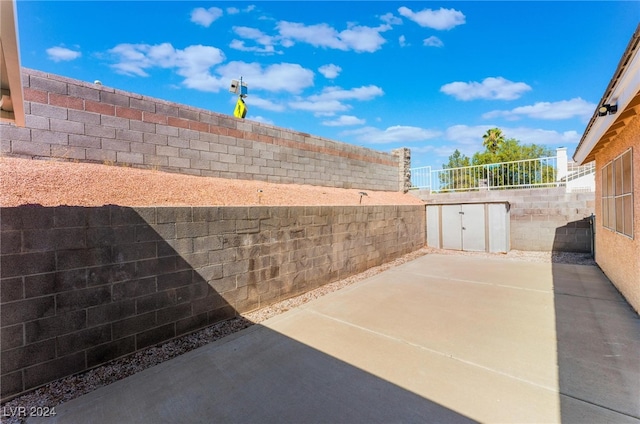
[
  {"x": 289, "y": 77},
  {"x": 466, "y": 135},
  {"x": 344, "y": 120},
  {"x": 355, "y": 37},
  {"x": 263, "y": 104},
  {"x": 320, "y": 35},
  {"x": 239, "y": 45},
  {"x": 542, "y": 136},
  {"x": 390, "y": 19},
  {"x": 366, "y": 92},
  {"x": 364, "y": 39},
  {"x": 193, "y": 63},
  {"x": 394, "y": 134},
  {"x": 564, "y": 109},
  {"x": 433, "y": 41},
  {"x": 233, "y": 10},
  {"x": 436, "y": 19},
  {"x": 60, "y": 54},
  {"x": 255, "y": 35},
  {"x": 330, "y": 100},
  {"x": 468, "y": 139},
  {"x": 205, "y": 17},
  {"x": 439, "y": 154},
  {"x": 402, "y": 40},
  {"x": 445, "y": 151},
  {"x": 261, "y": 119},
  {"x": 287, "y": 43},
  {"x": 319, "y": 107},
  {"x": 490, "y": 88},
  {"x": 330, "y": 71}
]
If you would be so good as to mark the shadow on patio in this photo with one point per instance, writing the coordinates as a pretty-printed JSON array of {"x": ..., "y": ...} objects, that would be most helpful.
[{"x": 598, "y": 336}]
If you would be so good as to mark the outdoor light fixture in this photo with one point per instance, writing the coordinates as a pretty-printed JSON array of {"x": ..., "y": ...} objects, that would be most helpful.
[
  {"x": 362, "y": 193},
  {"x": 607, "y": 109}
]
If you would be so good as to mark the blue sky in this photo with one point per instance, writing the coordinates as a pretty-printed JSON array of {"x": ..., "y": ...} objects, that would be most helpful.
[{"x": 431, "y": 76}]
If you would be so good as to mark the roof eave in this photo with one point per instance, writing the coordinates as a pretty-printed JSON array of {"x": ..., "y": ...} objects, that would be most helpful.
[
  {"x": 10, "y": 64},
  {"x": 622, "y": 90}
]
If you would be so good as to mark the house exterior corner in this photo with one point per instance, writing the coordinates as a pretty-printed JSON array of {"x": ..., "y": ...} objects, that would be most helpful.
[
  {"x": 612, "y": 139},
  {"x": 618, "y": 255}
]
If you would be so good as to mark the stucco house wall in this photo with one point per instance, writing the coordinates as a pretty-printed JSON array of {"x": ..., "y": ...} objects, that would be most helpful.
[
  {"x": 616, "y": 254},
  {"x": 613, "y": 130}
]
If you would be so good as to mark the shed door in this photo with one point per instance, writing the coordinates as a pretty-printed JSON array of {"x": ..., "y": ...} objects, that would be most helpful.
[
  {"x": 473, "y": 228},
  {"x": 498, "y": 222},
  {"x": 451, "y": 227},
  {"x": 433, "y": 226}
]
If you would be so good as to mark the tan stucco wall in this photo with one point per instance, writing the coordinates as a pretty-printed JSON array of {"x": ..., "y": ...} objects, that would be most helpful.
[{"x": 617, "y": 255}]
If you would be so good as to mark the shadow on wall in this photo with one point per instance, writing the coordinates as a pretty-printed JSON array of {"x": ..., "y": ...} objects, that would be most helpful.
[
  {"x": 575, "y": 236},
  {"x": 82, "y": 286},
  {"x": 598, "y": 343}
]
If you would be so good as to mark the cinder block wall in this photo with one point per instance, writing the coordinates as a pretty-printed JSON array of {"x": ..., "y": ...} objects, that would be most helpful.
[
  {"x": 542, "y": 219},
  {"x": 80, "y": 286},
  {"x": 79, "y": 121}
]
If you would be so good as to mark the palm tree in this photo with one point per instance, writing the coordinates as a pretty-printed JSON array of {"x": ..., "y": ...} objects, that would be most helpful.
[{"x": 493, "y": 139}]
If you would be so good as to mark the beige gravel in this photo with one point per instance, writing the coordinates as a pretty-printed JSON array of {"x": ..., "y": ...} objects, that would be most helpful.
[{"x": 52, "y": 183}]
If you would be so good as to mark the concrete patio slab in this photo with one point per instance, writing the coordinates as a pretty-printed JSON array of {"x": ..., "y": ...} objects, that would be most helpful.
[{"x": 444, "y": 338}]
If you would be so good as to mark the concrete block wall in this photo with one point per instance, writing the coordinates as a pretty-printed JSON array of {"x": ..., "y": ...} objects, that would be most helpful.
[
  {"x": 541, "y": 219},
  {"x": 80, "y": 286},
  {"x": 74, "y": 120}
]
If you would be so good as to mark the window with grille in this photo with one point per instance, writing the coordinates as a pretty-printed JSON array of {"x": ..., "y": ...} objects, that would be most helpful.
[{"x": 617, "y": 194}]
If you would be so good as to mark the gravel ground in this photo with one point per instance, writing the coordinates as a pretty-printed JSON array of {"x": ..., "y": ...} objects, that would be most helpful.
[
  {"x": 69, "y": 388},
  {"x": 51, "y": 183}
]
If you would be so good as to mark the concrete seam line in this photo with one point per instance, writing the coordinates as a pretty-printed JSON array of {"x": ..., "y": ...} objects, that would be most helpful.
[
  {"x": 444, "y": 354},
  {"x": 506, "y": 286},
  {"x": 600, "y": 406},
  {"x": 621, "y": 301}
]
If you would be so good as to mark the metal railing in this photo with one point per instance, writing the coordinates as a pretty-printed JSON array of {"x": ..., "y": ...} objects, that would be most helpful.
[
  {"x": 575, "y": 171},
  {"x": 421, "y": 177},
  {"x": 541, "y": 172}
]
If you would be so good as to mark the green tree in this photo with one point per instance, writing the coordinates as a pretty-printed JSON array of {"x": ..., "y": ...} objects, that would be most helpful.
[
  {"x": 493, "y": 139},
  {"x": 522, "y": 173},
  {"x": 510, "y": 150},
  {"x": 457, "y": 160},
  {"x": 458, "y": 177}
]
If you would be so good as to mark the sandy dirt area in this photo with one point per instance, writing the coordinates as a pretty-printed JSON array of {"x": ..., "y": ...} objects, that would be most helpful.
[{"x": 52, "y": 183}]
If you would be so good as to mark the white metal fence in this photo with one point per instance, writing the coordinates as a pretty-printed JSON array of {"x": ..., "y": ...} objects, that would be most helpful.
[
  {"x": 575, "y": 171},
  {"x": 541, "y": 172}
]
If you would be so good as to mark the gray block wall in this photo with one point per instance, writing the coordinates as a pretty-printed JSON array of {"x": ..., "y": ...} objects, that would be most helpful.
[
  {"x": 542, "y": 219},
  {"x": 79, "y": 121},
  {"x": 80, "y": 286}
]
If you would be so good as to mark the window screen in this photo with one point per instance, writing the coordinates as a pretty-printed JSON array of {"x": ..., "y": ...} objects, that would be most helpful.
[{"x": 617, "y": 194}]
